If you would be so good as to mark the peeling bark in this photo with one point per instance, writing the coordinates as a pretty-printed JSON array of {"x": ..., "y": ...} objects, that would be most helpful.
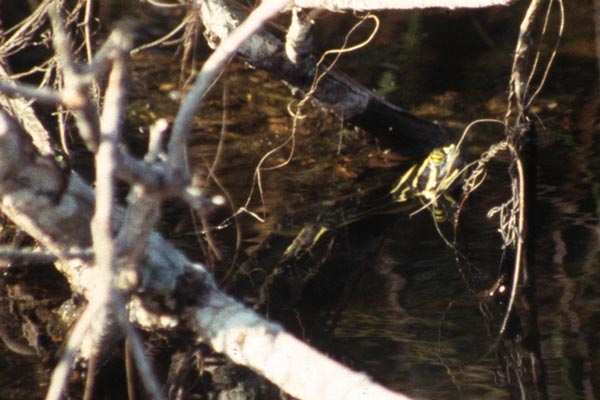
[{"x": 163, "y": 289}]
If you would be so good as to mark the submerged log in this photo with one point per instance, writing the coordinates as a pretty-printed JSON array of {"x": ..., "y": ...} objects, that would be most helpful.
[
  {"x": 393, "y": 127},
  {"x": 370, "y": 5}
]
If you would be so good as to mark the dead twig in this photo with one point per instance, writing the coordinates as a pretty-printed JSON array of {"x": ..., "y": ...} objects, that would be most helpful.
[{"x": 210, "y": 70}]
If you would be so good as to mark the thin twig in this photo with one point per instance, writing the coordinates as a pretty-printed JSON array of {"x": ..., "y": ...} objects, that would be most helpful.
[
  {"x": 60, "y": 374},
  {"x": 24, "y": 31},
  {"x": 518, "y": 80},
  {"x": 164, "y": 5},
  {"x": 87, "y": 20},
  {"x": 160, "y": 40},
  {"x": 119, "y": 42},
  {"x": 90, "y": 379},
  {"x": 550, "y": 62},
  {"x": 42, "y": 95},
  {"x": 129, "y": 373},
  {"x": 33, "y": 256},
  {"x": 62, "y": 43},
  {"x": 516, "y": 232},
  {"x": 106, "y": 165},
  {"x": 101, "y": 227},
  {"x": 520, "y": 239},
  {"x": 370, "y": 5},
  {"x": 212, "y": 67},
  {"x": 143, "y": 364}
]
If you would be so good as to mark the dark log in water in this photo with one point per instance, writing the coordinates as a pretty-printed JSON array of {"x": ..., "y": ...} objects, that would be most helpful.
[{"x": 393, "y": 127}]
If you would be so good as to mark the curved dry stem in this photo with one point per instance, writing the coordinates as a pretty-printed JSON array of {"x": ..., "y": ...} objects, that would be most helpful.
[
  {"x": 561, "y": 28},
  {"x": 87, "y": 34},
  {"x": 22, "y": 33},
  {"x": 519, "y": 239},
  {"x": 212, "y": 175},
  {"x": 338, "y": 53},
  {"x": 161, "y": 40},
  {"x": 60, "y": 374},
  {"x": 238, "y": 233},
  {"x": 297, "y": 113}
]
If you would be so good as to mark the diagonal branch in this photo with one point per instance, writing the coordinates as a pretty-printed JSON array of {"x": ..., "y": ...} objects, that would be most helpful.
[
  {"x": 372, "y": 5},
  {"x": 211, "y": 69},
  {"x": 171, "y": 291}
]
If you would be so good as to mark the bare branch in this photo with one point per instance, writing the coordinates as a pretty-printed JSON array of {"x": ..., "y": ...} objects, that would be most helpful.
[
  {"x": 61, "y": 42},
  {"x": 116, "y": 45},
  {"x": 286, "y": 361},
  {"x": 212, "y": 67},
  {"x": 9, "y": 255},
  {"x": 298, "y": 39},
  {"x": 36, "y": 256},
  {"x": 98, "y": 309},
  {"x": 371, "y": 5},
  {"x": 354, "y": 104},
  {"x": 22, "y": 110},
  {"x": 156, "y": 140},
  {"x": 60, "y": 374},
  {"x": 166, "y": 280},
  {"x": 597, "y": 35},
  {"x": 102, "y": 223}
]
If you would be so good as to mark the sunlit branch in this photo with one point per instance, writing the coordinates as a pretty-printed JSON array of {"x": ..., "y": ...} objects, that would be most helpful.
[
  {"x": 371, "y": 5},
  {"x": 21, "y": 33},
  {"x": 211, "y": 69},
  {"x": 60, "y": 374},
  {"x": 42, "y": 95}
]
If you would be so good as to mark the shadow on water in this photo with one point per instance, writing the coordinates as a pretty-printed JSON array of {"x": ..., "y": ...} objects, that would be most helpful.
[{"x": 386, "y": 294}]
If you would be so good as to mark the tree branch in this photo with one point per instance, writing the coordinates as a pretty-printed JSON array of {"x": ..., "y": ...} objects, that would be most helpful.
[
  {"x": 336, "y": 92},
  {"x": 372, "y": 5},
  {"x": 171, "y": 291}
]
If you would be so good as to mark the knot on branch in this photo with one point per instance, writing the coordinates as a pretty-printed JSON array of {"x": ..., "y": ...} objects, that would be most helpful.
[{"x": 22, "y": 167}]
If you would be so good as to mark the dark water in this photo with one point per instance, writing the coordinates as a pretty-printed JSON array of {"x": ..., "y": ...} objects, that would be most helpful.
[
  {"x": 410, "y": 319},
  {"x": 402, "y": 309},
  {"x": 428, "y": 336}
]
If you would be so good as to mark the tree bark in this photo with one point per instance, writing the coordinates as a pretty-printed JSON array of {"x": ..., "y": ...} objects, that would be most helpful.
[{"x": 372, "y": 5}]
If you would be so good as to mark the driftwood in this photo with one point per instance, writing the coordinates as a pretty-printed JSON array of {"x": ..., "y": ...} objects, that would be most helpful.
[{"x": 370, "y": 5}]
